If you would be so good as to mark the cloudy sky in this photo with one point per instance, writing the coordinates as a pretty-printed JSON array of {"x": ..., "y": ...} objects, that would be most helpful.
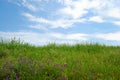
[{"x": 62, "y": 21}]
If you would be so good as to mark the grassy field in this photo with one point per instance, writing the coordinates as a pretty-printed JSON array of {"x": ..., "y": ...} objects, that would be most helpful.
[{"x": 20, "y": 61}]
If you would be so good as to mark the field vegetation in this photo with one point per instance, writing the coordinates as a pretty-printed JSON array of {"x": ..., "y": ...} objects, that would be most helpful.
[{"x": 21, "y": 61}]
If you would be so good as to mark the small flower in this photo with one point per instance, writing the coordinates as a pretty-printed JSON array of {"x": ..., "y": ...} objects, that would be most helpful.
[
  {"x": 7, "y": 78},
  {"x": 57, "y": 65},
  {"x": 17, "y": 77},
  {"x": 65, "y": 65}
]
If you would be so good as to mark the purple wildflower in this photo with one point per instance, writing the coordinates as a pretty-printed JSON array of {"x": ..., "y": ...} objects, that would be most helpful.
[
  {"x": 57, "y": 65},
  {"x": 62, "y": 78},
  {"x": 65, "y": 65},
  {"x": 17, "y": 77},
  {"x": 7, "y": 78}
]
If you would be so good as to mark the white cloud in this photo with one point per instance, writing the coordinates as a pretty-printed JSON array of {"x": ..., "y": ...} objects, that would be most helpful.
[
  {"x": 79, "y": 8},
  {"x": 114, "y": 13},
  {"x": 76, "y": 36},
  {"x": 39, "y": 26},
  {"x": 36, "y": 19},
  {"x": 44, "y": 38},
  {"x": 28, "y": 5},
  {"x": 74, "y": 9},
  {"x": 65, "y": 23},
  {"x": 54, "y": 23},
  {"x": 71, "y": 11},
  {"x": 109, "y": 36},
  {"x": 29, "y": 37},
  {"x": 96, "y": 19},
  {"x": 109, "y": 9},
  {"x": 104, "y": 9},
  {"x": 117, "y": 23}
]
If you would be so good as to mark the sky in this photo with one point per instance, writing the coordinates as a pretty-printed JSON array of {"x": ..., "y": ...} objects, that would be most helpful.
[{"x": 40, "y": 22}]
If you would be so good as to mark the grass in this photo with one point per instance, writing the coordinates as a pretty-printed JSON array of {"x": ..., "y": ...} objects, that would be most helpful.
[{"x": 21, "y": 61}]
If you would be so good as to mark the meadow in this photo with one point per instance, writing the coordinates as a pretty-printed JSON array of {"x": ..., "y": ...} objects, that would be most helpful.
[{"x": 21, "y": 61}]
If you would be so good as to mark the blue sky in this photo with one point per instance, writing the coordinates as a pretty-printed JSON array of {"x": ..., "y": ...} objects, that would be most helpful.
[{"x": 40, "y": 22}]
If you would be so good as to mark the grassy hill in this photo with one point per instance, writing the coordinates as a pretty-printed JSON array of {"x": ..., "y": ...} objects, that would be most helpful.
[{"x": 20, "y": 61}]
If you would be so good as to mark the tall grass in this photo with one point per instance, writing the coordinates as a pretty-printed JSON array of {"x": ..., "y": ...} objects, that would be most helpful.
[{"x": 21, "y": 61}]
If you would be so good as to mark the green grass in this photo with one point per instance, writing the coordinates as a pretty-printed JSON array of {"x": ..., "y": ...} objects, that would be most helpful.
[{"x": 19, "y": 61}]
